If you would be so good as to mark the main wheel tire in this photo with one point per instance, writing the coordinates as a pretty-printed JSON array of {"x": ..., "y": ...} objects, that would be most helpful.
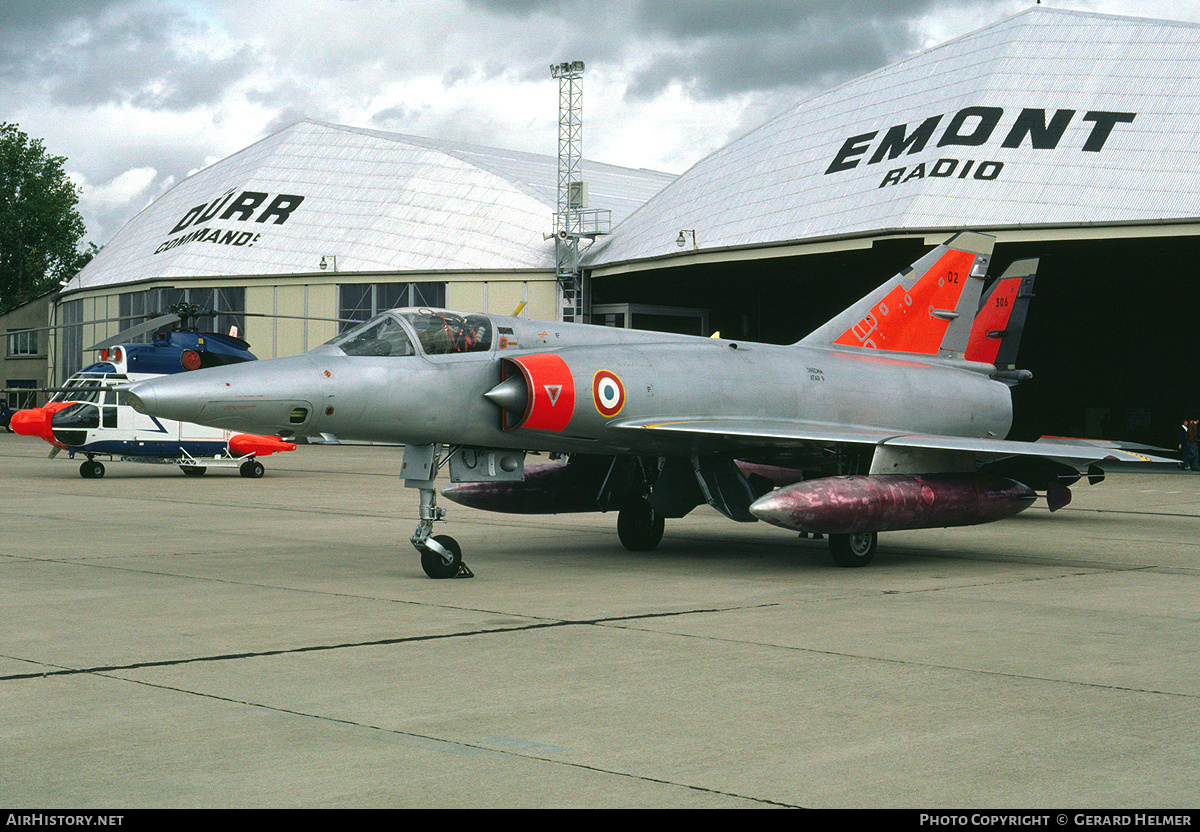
[
  {"x": 193, "y": 470},
  {"x": 91, "y": 470},
  {"x": 851, "y": 550},
  {"x": 639, "y": 526},
  {"x": 252, "y": 469},
  {"x": 434, "y": 565}
]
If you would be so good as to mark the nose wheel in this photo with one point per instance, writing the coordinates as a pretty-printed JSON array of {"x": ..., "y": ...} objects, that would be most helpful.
[{"x": 441, "y": 556}]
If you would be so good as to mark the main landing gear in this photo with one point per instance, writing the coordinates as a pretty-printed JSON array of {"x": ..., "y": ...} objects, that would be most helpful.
[
  {"x": 851, "y": 550},
  {"x": 91, "y": 469},
  {"x": 639, "y": 526},
  {"x": 441, "y": 556}
]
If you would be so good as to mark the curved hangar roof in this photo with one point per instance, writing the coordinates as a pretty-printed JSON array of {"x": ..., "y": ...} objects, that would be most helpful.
[
  {"x": 377, "y": 201},
  {"x": 1047, "y": 118}
]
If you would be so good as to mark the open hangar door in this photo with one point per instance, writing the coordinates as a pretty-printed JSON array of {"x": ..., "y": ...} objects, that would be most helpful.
[{"x": 1111, "y": 336}]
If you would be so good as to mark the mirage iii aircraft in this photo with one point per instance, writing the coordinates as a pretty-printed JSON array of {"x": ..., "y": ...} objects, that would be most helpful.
[{"x": 893, "y": 415}]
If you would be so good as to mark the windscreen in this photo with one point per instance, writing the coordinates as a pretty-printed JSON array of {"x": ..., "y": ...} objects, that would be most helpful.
[{"x": 381, "y": 335}]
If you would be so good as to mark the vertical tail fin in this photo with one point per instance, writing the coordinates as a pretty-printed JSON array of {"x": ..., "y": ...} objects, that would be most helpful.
[
  {"x": 996, "y": 332},
  {"x": 928, "y": 308}
]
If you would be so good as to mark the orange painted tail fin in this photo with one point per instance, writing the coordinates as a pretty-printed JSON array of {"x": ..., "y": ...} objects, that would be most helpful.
[
  {"x": 996, "y": 332},
  {"x": 926, "y": 309}
]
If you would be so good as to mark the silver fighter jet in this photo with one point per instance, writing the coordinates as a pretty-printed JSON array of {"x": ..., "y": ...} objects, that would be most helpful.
[{"x": 893, "y": 415}]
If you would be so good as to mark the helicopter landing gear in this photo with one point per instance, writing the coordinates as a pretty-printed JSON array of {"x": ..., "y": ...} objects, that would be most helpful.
[
  {"x": 91, "y": 470},
  {"x": 251, "y": 468},
  {"x": 441, "y": 556}
]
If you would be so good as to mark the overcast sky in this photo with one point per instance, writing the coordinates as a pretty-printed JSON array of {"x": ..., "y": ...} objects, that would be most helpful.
[{"x": 138, "y": 94}]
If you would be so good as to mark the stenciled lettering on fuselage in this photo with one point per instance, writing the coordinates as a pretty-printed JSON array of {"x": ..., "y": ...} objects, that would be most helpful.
[
  {"x": 222, "y": 221},
  {"x": 973, "y": 127}
]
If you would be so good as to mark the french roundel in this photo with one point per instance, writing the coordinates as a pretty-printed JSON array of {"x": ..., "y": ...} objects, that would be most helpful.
[{"x": 608, "y": 393}]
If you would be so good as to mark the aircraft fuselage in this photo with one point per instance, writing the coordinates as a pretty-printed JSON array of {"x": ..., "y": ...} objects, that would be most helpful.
[{"x": 568, "y": 383}]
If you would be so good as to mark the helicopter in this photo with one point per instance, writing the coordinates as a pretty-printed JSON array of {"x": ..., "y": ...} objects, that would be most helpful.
[{"x": 90, "y": 416}]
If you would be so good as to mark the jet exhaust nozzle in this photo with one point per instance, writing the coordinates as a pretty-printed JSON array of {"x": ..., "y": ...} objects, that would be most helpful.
[{"x": 891, "y": 502}]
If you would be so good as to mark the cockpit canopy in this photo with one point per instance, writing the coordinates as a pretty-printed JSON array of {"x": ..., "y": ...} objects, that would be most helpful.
[
  {"x": 87, "y": 386},
  {"x": 437, "y": 331}
]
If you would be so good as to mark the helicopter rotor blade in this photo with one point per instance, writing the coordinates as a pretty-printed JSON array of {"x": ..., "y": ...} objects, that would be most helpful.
[
  {"x": 53, "y": 327},
  {"x": 290, "y": 317},
  {"x": 135, "y": 331},
  {"x": 169, "y": 319}
]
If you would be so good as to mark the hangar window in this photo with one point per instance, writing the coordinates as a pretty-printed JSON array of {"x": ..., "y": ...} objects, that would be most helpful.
[
  {"x": 71, "y": 317},
  {"x": 136, "y": 307},
  {"x": 360, "y": 301},
  {"x": 16, "y": 398}
]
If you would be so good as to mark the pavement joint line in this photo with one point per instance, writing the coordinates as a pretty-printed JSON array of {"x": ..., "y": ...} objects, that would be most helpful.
[
  {"x": 474, "y": 747},
  {"x": 315, "y": 648},
  {"x": 839, "y": 654},
  {"x": 616, "y": 622}
]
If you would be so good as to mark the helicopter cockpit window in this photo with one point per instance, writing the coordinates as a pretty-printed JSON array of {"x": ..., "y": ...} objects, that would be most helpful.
[
  {"x": 443, "y": 333},
  {"x": 80, "y": 390},
  {"x": 382, "y": 335},
  {"x": 81, "y": 415}
]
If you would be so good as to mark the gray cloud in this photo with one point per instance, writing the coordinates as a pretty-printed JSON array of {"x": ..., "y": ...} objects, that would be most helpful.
[
  {"x": 774, "y": 44},
  {"x": 145, "y": 61},
  {"x": 126, "y": 85},
  {"x": 725, "y": 66},
  {"x": 689, "y": 19},
  {"x": 128, "y": 52},
  {"x": 34, "y": 16},
  {"x": 717, "y": 49}
]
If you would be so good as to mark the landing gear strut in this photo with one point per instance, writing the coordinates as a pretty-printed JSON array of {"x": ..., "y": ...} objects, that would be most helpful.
[{"x": 441, "y": 556}]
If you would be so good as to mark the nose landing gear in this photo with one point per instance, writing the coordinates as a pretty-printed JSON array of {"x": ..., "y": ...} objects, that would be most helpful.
[{"x": 441, "y": 556}]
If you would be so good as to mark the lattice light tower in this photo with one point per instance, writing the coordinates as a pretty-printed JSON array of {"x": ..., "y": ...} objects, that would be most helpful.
[{"x": 573, "y": 221}]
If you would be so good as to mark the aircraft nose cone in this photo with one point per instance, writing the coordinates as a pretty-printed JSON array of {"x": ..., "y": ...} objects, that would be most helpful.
[
  {"x": 169, "y": 397},
  {"x": 141, "y": 398},
  {"x": 37, "y": 421},
  {"x": 258, "y": 397},
  {"x": 31, "y": 422}
]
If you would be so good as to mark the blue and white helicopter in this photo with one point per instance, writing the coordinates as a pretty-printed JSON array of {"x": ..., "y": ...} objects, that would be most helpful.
[{"x": 89, "y": 415}]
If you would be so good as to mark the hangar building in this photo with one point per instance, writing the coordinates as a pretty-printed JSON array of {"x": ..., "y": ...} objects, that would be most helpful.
[
  {"x": 1070, "y": 136},
  {"x": 325, "y": 221}
]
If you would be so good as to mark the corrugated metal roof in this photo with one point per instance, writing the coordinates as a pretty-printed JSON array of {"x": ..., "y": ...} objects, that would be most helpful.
[
  {"x": 1049, "y": 117},
  {"x": 376, "y": 201}
]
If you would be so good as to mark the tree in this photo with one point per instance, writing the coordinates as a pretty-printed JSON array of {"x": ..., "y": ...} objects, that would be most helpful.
[{"x": 40, "y": 229}]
